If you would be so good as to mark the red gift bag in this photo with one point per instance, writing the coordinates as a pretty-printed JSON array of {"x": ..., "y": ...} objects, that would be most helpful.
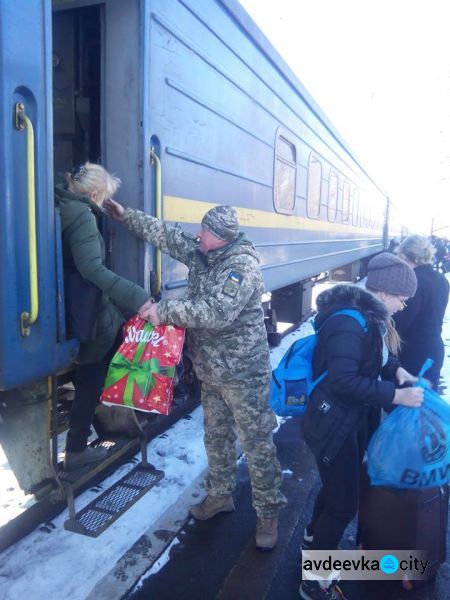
[{"x": 141, "y": 373}]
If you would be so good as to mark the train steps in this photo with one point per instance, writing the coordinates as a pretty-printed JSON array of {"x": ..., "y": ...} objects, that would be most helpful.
[{"x": 99, "y": 514}]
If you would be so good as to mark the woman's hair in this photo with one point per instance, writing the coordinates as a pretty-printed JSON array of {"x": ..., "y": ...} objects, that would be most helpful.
[
  {"x": 416, "y": 249},
  {"x": 393, "y": 340},
  {"x": 90, "y": 177}
]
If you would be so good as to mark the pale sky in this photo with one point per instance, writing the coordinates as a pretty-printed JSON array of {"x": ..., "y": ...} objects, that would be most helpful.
[{"x": 380, "y": 70}]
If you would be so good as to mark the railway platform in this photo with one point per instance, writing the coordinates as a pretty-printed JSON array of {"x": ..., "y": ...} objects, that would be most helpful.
[
  {"x": 217, "y": 559},
  {"x": 156, "y": 551}
]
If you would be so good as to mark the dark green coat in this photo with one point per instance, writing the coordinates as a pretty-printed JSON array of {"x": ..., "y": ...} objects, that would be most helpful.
[{"x": 84, "y": 247}]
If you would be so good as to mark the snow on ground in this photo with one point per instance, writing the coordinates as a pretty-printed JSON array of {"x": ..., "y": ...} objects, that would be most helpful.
[
  {"x": 57, "y": 564},
  {"x": 64, "y": 564},
  {"x": 13, "y": 500}
]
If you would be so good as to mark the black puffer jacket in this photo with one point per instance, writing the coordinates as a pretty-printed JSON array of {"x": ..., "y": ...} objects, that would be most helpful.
[
  {"x": 352, "y": 393},
  {"x": 420, "y": 324}
]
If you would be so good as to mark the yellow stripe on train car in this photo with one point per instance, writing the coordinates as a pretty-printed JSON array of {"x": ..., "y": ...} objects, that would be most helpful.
[{"x": 186, "y": 210}]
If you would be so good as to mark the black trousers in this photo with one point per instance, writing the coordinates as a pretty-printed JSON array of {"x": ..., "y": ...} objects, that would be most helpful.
[
  {"x": 88, "y": 382},
  {"x": 337, "y": 502}
]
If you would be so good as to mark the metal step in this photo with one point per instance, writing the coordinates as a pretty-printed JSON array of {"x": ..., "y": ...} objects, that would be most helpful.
[{"x": 97, "y": 516}]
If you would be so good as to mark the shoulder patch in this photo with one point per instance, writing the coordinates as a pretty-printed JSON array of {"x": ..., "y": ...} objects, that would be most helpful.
[{"x": 232, "y": 283}]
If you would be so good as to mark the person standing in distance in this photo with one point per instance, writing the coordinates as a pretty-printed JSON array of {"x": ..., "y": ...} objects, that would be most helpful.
[
  {"x": 223, "y": 314},
  {"x": 420, "y": 324}
]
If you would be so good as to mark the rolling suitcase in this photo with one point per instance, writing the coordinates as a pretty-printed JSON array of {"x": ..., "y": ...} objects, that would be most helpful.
[{"x": 394, "y": 519}]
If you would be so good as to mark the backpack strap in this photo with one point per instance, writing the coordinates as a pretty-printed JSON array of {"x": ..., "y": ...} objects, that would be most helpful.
[{"x": 349, "y": 312}]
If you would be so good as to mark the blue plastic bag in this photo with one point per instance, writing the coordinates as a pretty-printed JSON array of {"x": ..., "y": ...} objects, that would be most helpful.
[
  {"x": 411, "y": 448},
  {"x": 292, "y": 381}
]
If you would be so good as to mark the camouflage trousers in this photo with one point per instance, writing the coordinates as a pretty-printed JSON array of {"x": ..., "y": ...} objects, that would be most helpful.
[{"x": 242, "y": 409}]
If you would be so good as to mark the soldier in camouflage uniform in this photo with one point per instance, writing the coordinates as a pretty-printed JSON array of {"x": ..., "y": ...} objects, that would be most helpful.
[{"x": 223, "y": 314}]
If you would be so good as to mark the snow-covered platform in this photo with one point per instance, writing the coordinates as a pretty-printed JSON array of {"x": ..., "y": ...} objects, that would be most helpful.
[{"x": 156, "y": 551}]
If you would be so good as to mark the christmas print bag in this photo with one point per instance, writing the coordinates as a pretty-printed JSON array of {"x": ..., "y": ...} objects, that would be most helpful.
[{"x": 141, "y": 373}]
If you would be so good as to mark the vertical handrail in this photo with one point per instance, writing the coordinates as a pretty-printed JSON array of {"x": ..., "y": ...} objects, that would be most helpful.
[
  {"x": 154, "y": 159},
  {"x": 28, "y": 318}
]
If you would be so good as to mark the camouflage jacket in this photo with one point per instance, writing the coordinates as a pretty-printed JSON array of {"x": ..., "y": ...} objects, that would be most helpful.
[{"x": 222, "y": 307}]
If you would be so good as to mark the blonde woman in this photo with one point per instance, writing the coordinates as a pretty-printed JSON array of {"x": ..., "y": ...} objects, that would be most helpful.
[
  {"x": 420, "y": 324},
  {"x": 79, "y": 197}
]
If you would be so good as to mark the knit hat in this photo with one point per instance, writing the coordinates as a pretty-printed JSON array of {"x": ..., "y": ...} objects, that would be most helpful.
[
  {"x": 389, "y": 273},
  {"x": 222, "y": 222}
]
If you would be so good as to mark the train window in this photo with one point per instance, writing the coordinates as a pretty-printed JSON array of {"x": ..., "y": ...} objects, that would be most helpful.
[
  {"x": 360, "y": 209},
  {"x": 355, "y": 212},
  {"x": 332, "y": 196},
  {"x": 346, "y": 202},
  {"x": 362, "y": 217},
  {"x": 314, "y": 187},
  {"x": 285, "y": 175}
]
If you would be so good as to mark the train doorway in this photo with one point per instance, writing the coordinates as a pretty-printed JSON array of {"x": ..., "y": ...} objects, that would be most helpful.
[
  {"x": 101, "y": 110},
  {"x": 76, "y": 59}
]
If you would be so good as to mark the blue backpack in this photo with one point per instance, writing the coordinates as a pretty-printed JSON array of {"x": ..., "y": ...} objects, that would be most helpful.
[{"x": 292, "y": 381}]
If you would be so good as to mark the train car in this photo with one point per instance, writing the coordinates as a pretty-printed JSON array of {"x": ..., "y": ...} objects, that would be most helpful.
[
  {"x": 396, "y": 224},
  {"x": 189, "y": 104}
]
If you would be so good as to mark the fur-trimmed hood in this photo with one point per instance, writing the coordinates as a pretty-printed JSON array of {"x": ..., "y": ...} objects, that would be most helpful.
[{"x": 350, "y": 296}]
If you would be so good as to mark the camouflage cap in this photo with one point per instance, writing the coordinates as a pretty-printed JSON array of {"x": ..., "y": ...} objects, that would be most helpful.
[{"x": 222, "y": 222}]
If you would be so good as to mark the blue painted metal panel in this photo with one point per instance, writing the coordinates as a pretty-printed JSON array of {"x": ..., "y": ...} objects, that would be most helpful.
[
  {"x": 216, "y": 94},
  {"x": 25, "y": 62},
  {"x": 213, "y": 94}
]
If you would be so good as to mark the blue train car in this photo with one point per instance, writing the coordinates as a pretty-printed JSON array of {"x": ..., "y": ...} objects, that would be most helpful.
[{"x": 189, "y": 104}]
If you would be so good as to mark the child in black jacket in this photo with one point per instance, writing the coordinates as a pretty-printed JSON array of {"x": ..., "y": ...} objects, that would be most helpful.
[{"x": 345, "y": 406}]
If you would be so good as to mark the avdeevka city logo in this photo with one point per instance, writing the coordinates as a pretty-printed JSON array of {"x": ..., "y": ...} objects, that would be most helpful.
[{"x": 388, "y": 563}]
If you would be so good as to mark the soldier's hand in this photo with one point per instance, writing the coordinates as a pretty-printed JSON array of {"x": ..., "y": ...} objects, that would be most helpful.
[
  {"x": 412, "y": 397},
  {"x": 149, "y": 312},
  {"x": 113, "y": 209}
]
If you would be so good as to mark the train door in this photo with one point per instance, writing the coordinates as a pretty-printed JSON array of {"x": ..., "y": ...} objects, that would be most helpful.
[
  {"x": 32, "y": 339},
  {"x": 76, "y": 53},
  {"x": 98, "y": 89},
  {"x": 32, "y": 342}
]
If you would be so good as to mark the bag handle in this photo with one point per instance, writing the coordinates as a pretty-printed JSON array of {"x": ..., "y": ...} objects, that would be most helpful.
[
  {"x": 422, "y": 381},
  {"x": 426, "y": 365}
]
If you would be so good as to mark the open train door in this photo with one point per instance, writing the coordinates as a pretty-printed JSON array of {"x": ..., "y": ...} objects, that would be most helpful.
[{"x": 32, "y": 336}]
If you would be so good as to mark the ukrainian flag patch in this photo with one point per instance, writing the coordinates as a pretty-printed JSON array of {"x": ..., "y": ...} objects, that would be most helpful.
[{"x": 232, "y": 284}]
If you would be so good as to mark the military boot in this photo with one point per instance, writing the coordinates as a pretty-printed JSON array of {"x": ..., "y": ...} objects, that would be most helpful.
[
  {"x": 211, "y": 506},
  {"x": 266, "y": 533}
]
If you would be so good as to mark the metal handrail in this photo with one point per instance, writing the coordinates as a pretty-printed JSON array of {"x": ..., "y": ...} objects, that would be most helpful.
[
  {"x": 28, "y": 318},
  {"x": 154, "y": 159}
]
